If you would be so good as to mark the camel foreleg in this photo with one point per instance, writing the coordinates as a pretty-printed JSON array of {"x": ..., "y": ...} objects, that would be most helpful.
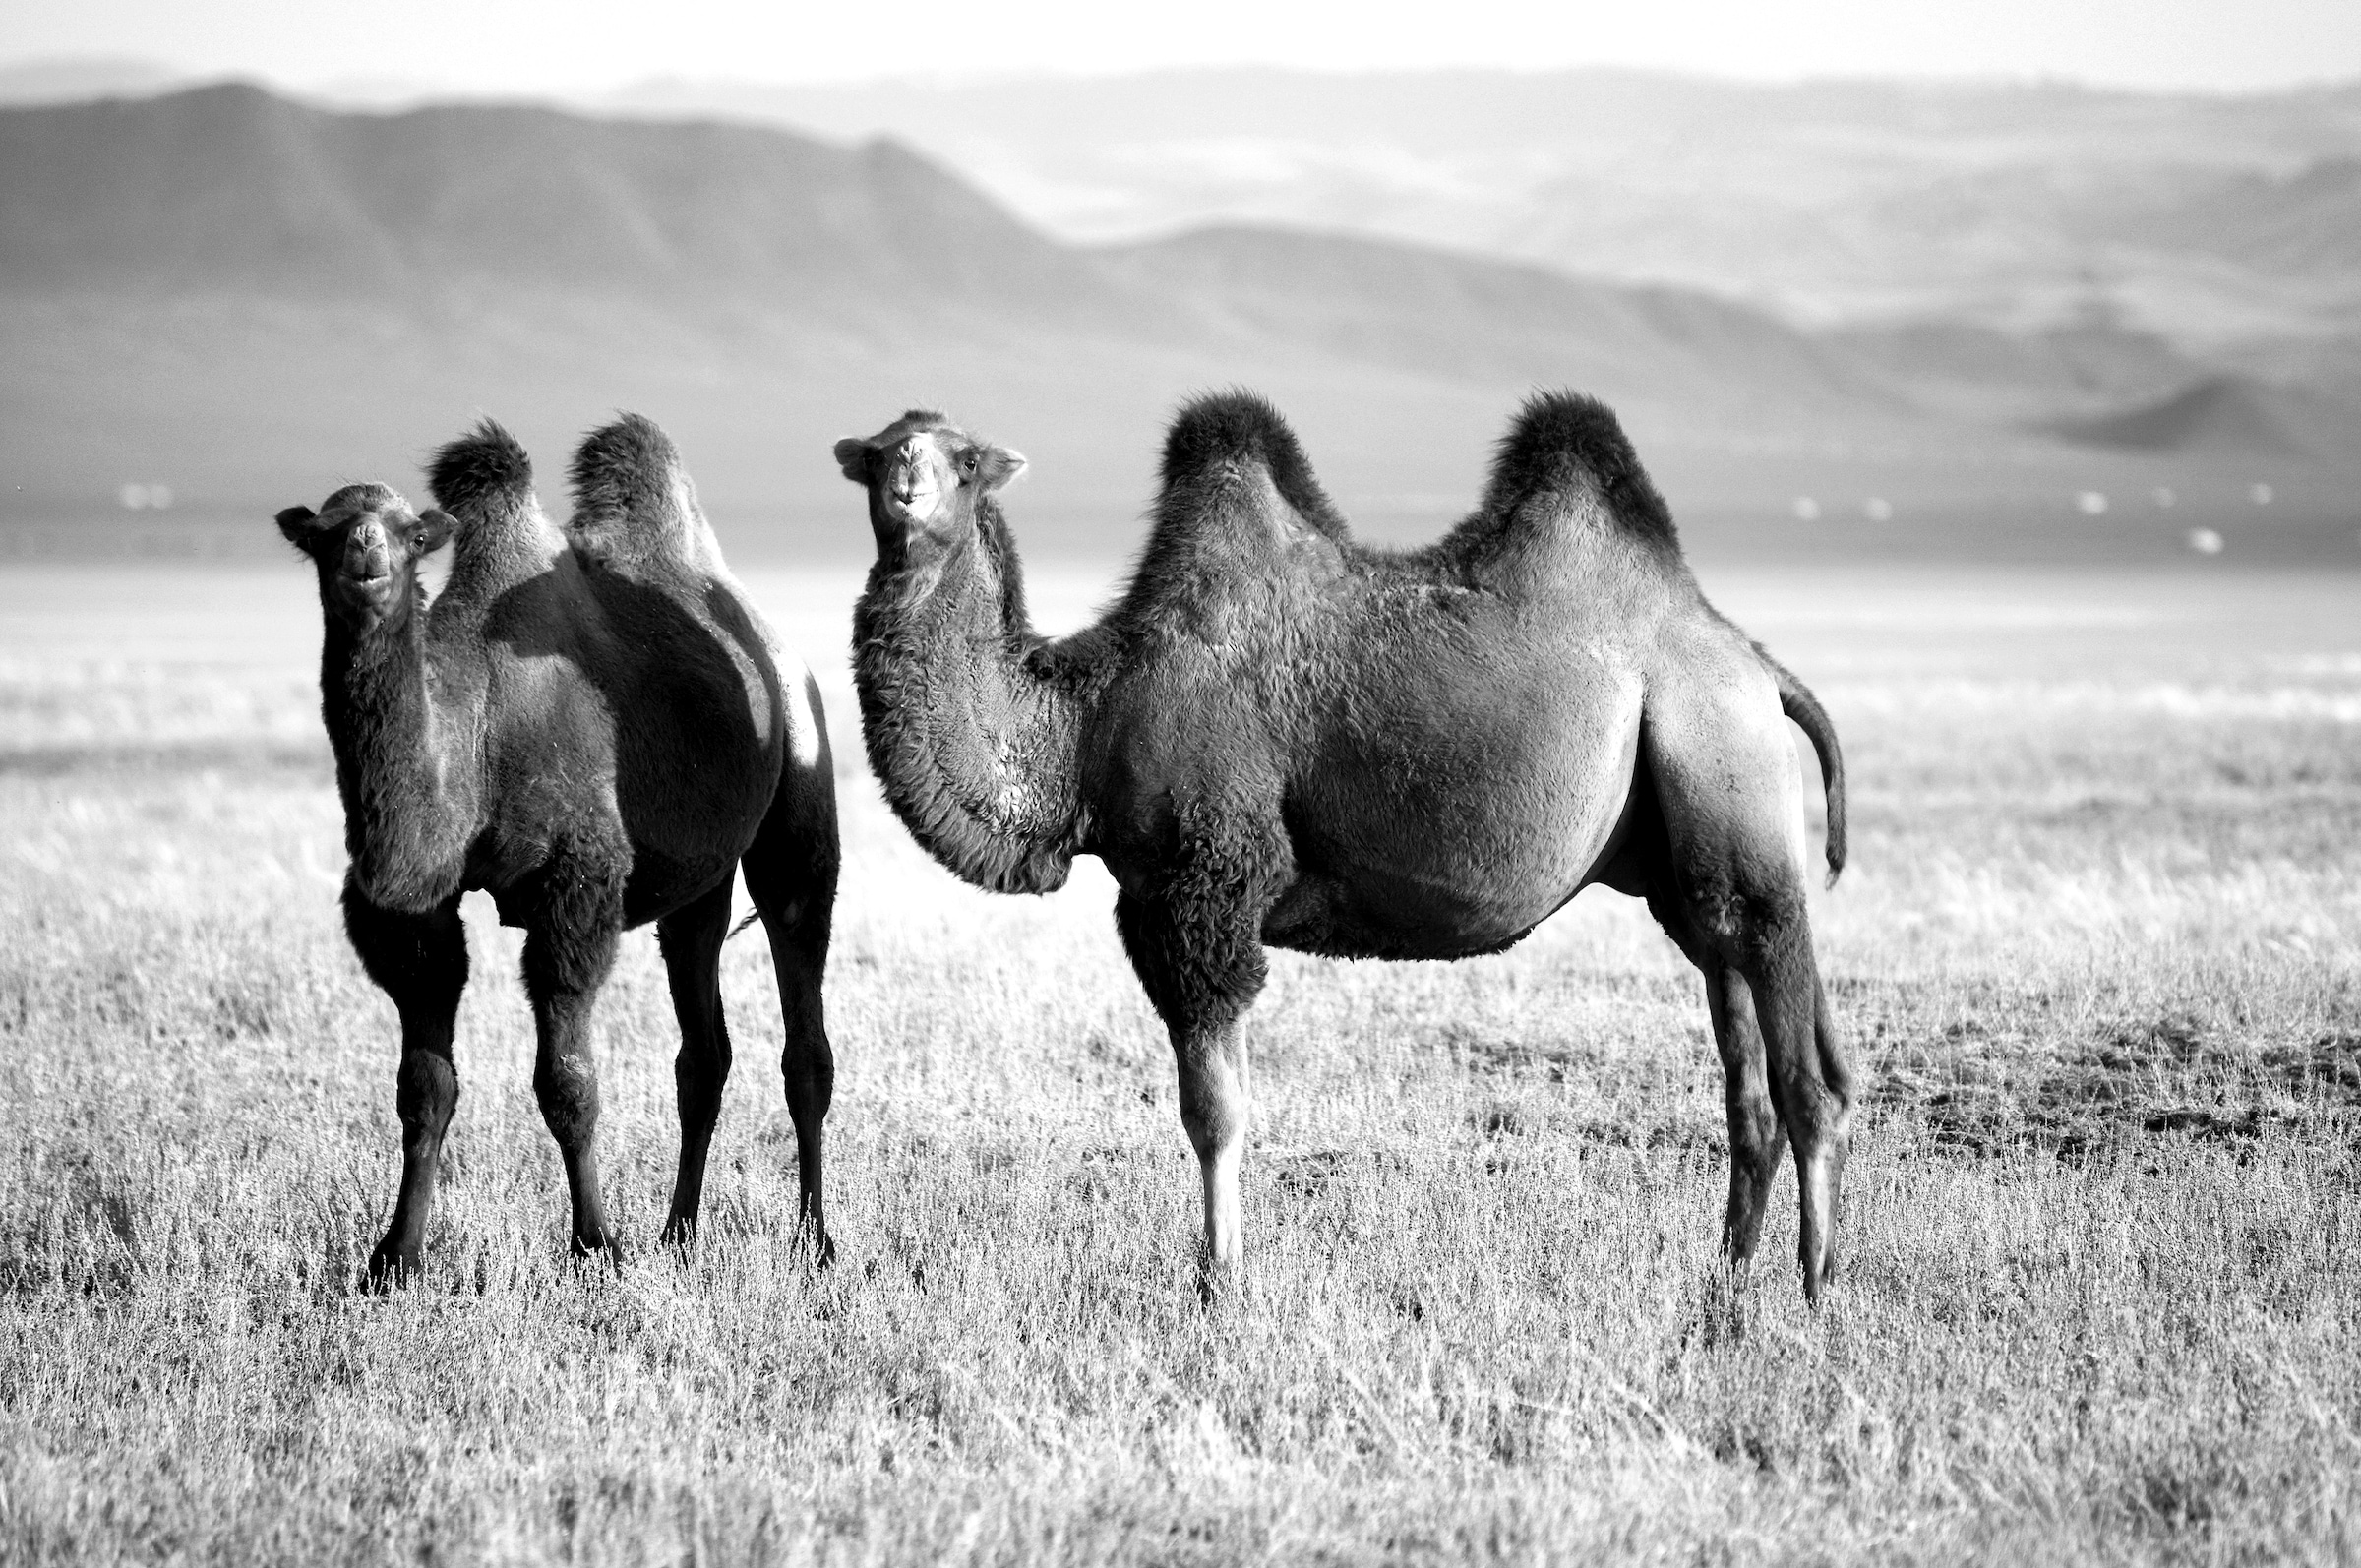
[
  {"x": 420, "y": 961},
  {"x": 568, "y": 946},
  {"x": 1202, "y": 968}
]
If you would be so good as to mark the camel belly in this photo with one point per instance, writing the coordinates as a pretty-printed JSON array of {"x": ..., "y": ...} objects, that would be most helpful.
[{"x": 1443, "y": 827}]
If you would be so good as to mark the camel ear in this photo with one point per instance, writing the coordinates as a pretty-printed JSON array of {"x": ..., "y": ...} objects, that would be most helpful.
[
  {"x": 296, "y": 523},
  {"x": 852, "y": 456},
  {"x": 1001, "y": 465},
  {"x": 434, "y": 530}
]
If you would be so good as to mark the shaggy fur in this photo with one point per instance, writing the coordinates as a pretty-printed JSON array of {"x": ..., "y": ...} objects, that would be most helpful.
[
  {"x": 482, "y": 471},
  {"x": 1279, "y": 738},
  {"x": 595, "y": 728},
  {"x": 942, "y": 719}
]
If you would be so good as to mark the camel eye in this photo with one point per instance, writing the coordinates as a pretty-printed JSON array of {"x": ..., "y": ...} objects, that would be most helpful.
[{"x": 968, "y": 463}]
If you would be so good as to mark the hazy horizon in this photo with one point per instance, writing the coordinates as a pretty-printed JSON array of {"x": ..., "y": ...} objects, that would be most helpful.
[
  {"x": 535, "y": 47},
  {"x": 65, "y": 77}
]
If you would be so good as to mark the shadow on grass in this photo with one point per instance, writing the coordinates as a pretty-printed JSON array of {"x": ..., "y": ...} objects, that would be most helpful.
[{"x": 1985, "y": 1090}]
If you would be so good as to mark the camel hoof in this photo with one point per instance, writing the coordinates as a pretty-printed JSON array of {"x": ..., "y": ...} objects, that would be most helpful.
[
  {"x": 824, "y": 1248},
  {"x": 1724, "y": 1306},
  {"x": 680, "y": 1234},
  {"x": 590, "y": 1249},
  {"x": 388, "y": 1271}
]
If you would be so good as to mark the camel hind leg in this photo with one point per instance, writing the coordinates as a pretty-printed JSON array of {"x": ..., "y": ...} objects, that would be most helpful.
[
  {"x": 1731, "y": 792},
  {"x": 691, "y": 938},
  {"x": 791, "y": 876},
  {"x": 1757, "y": 1137}
]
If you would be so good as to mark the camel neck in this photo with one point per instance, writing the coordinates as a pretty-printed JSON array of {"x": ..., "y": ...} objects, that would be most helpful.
[
  {"x": 407, "y": 802},
  {"x": 977, "y": 745}
]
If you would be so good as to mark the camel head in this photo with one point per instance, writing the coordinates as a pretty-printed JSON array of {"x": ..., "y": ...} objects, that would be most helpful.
[
  {"x": 926, "y": 478},
  {"x": 367, "y": 543}
]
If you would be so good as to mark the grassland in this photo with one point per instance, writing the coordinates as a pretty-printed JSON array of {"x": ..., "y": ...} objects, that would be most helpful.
[{"x": 2101, "y": 954}]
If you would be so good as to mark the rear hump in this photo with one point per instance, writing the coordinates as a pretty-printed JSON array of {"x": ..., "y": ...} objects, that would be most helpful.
[
  {"x": 632, "y": 496},
  {"x": 1563, "y": 442}
]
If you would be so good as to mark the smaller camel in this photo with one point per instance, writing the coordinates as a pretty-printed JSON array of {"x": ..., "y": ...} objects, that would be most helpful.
[
  {"x": 1281, "y": 738},
  {"x": 593, "y": 725}
]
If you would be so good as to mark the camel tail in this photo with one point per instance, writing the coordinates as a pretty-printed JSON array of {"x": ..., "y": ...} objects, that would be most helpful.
[
  {"x": 1561, "y": 439},
  {"x": 624, "y": 470},
  {"x": 483, "y": 471},
  {"x": 1232, "y": 429},
  {"x": 1797, "y": 700}
]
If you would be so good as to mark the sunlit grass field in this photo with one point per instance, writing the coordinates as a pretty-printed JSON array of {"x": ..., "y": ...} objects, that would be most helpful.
[{"x": 2100, "y": 954}]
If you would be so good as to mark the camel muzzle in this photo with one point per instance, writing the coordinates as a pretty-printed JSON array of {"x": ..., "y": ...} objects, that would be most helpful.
[{"x": 366, "y": 557}]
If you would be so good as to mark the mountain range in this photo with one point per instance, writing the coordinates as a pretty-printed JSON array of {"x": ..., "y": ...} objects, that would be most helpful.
[
  {"x": 2207, "y": 216},
  {"x": 252, "y": 298}
]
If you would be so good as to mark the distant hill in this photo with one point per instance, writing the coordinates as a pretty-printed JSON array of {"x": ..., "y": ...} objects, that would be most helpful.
[
  {"x": 2198, "y": 216},
  {"x": 230, "y": 187},
  {"x": 250, "y": 300},
  {"x": 1983, "y": 374},
  {"x": 2304, "y": 224},
  {"x": 2221, "y": 414}
]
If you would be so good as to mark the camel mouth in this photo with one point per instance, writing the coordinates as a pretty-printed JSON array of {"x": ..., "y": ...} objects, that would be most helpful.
[{"x": 921, "y": 504}]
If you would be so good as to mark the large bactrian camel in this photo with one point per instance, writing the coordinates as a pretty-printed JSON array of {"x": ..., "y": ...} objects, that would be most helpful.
[
  {"x": 596, "y": 726},
  {"x": 1280, "y": 738}
]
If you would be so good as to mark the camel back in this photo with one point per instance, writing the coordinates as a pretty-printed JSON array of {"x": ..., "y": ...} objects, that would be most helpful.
[{"x": 1240, "y": 503}]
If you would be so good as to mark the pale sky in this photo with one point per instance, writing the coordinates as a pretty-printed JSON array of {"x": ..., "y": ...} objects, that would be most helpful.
[{"x": 538, "y": 46}]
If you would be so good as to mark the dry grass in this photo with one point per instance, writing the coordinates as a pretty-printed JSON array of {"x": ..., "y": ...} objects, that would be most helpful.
[{"x": 2101, "y": 954}]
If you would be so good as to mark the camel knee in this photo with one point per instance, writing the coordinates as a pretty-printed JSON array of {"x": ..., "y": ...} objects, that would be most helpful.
[
  {"x": 1214, "y": 1086},
  {"x": 567, "y": 1088},
  {"x": 1214, "y": 1117},
  {"x": 809, "y": 1075},
  {"x": 1754, "y": 1133},
  {"x": 426, "y": 1091},
  {"x": 698, "y": 1076},
  {"x": 1817, "y": 1116}
]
